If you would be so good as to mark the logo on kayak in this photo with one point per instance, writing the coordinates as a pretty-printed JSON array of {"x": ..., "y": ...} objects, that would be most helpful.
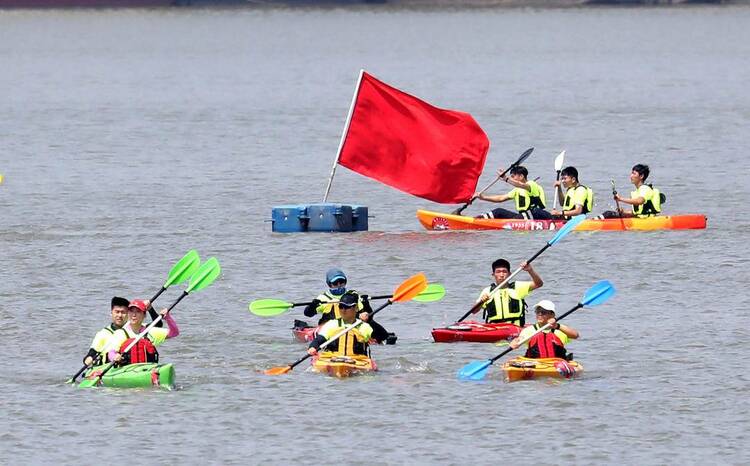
[
  {"x": 530, "y": 225},
  {"x": 440, "y": 223}
]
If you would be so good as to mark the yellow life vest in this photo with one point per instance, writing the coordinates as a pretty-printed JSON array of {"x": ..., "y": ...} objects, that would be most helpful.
[
  {"x": 653, "y": 199},
  {"x": 355, "y": 341},
  {"x": 330, "y": 307},
  {"x": 570, "y": 195},
  {"x": 101, "y": 341},
  {"x": 532, "y": 199},
  {"x": 505, "y": 308}
]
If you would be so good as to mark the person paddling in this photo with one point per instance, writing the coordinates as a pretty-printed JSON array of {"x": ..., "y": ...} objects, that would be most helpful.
[
  {"x": 145, "y": 349},
  {"x": 646, "y": 200},
  {"x": 551, "y": 342},
  {"x": 354, "y": 342},
  {"x": 528, "y": 194},
  {"x": 578, "y": 199},
  {"x": 97, "y": 351},
  {"x": 326, "y": 304},
  {"x": 508, "y": 305}
]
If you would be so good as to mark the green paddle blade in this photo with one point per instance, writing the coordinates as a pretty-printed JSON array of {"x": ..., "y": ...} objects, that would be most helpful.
[
  {"x": 204, "y": 276},
  {"x": 599, "y": 293},
  {"x": 569, "y": 225},
  {"x": 433, "y": 292},
  {"x": 184, "y": 269},
  {"x": 269, "y": 307}
]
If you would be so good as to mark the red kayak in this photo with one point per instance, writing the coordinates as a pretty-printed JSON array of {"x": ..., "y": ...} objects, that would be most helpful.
[
  {"x": 304, "y": 334},
  {"x": 478, "y": 332}
]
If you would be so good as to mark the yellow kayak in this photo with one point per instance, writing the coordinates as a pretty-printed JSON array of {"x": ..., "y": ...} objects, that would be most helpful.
[
  {"x": 343, "y": 366},
  {"x": 521, "y": 368}
]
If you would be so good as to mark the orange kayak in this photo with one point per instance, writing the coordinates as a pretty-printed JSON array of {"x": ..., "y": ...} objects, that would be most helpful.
[
  {"x": 441, "y": 221},
  {"x": 522, "y": 368},
  {"x": 343, "y": 366}
]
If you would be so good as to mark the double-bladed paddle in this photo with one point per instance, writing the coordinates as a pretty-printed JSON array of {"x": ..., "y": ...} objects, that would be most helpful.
[
  {"x": 597, "y": 294},
  {"x": 559, "y": 160},
  {"x": 201, "y": 278},
  {"x": 406, "y": 291},
  {"x": 617, "y": 203},
  {"x": 567, "y": 228},
  {"x": 518, "y": 162},
  {"x": 180, "y": 272},
  {"x": 273, "y": 307}
]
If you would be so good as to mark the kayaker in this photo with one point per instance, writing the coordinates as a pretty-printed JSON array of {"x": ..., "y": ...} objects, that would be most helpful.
[
  {"x": 326, "y": 304},
  {"x": 646, "y": 200},
  {"x": 356, "y": 341},
  {"x": 119, "y": 313},
  {"x": 508, "y": 305},
  {"x": 528, "y": 194},
  {"x": 551, "y": 342},
  {"x": 145, "y": 349},
  {"x": 578, "y": 199}
]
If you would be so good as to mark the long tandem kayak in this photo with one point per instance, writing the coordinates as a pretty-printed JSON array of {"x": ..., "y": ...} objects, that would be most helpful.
[
  {"x": 140, "y": 375},
  {"x": 478, "y": 332},
  {"x": 442, "y": 221},
  {"x": 521, "y": 368}
]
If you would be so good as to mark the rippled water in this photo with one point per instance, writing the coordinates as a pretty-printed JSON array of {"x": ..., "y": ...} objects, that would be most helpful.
[{"x": 129, "y": 137}]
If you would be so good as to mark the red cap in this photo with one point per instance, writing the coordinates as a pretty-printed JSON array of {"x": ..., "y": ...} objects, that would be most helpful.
[{"x": 138, "y": 304}]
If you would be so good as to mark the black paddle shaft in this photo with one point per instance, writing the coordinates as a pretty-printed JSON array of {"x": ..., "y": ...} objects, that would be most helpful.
[
  {"x": 518, "y": 162},
  {"x": 476, "y": 306}
]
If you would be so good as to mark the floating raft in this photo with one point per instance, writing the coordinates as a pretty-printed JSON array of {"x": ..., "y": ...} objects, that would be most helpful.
[
  {"x": 326, "y": 217},
  {"x": 441, "y": 221}
]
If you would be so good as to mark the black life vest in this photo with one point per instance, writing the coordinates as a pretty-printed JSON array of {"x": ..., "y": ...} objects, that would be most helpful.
[
  {"x": 143, "y": 351},
  {"x": 545, "y": 345}
]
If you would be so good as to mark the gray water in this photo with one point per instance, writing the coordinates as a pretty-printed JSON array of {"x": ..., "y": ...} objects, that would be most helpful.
[{"x": 130, "y": 137}]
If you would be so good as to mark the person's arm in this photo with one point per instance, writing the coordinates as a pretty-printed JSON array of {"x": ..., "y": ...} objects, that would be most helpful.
[
  {"x": 570, "y": 332},
  {"x": 154, "y": 315},
  {"x": 535, "y": 277},
  {"x": 312, "y": 308},
  {"x": 90, "y": 357},
  {"x": 315, "y": 344},
  {"x": 495, "y": 198},
  {"x": 171, "y": 324},
  {"x": 378, "y": 332}
]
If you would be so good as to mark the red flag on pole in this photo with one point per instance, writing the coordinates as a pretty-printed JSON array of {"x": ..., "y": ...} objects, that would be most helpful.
[{"x": 406, "y": 143}]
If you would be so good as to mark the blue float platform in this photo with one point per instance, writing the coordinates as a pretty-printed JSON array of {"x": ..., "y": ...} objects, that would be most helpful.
[{"x": 326, "y": 217}]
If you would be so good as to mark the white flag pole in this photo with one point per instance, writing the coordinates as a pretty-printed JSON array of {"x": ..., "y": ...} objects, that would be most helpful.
[{"x": 343, "y": 135}]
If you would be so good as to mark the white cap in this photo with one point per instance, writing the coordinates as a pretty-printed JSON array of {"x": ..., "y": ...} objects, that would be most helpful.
[{"x": 545, "y": 304}]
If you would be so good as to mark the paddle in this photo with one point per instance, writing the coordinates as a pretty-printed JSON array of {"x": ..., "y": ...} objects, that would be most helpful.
[
  {"x": 406, "y": 291},
  {"x": 617, "y": 203},
  {"x": 180, "y": 272},
  {"x": 274, "y": 307},
  {"x": 597, "y": 294},
  {"x": 520, "y": 160},
  {"x": 567, "y": 228},
  {"x": 204, "y": 276},
  {"x": 558, "y": 168}
]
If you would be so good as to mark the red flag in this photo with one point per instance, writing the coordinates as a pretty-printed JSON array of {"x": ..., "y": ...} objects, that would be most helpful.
[{"x": 406, "y": 143}]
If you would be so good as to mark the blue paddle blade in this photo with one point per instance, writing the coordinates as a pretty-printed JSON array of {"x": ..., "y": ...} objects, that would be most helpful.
[
  {"x": 569, "y": 225},
  {"x": 598, "y": 293},
  {"x": 475, "y": 370}
]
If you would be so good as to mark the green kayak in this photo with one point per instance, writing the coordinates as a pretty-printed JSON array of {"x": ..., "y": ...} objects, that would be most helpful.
[{"x": 135, "y": 376}]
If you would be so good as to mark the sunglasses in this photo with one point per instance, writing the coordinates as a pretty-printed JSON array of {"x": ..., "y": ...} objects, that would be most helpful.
[{"x": 339, "y": 282}]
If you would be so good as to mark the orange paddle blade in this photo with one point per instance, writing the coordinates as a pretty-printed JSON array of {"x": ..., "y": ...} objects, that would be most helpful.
[
  {"x": 277, "y": 370},
  {"x": 410, "y": 288}
]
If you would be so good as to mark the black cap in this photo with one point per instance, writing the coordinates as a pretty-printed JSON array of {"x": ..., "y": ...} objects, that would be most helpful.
[
  {"x": 118, "y": 301},
  {"x": 349, "y": 299}
]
